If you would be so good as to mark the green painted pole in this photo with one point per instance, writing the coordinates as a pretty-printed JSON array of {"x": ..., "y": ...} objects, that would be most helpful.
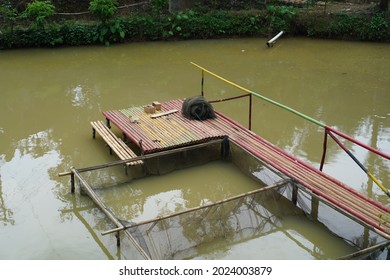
[
  {"x": 306, "y": 118},
  {"x": 261, "y": 96}
]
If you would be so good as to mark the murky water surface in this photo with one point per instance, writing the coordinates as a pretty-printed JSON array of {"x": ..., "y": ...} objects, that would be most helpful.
[{"x": 49, "y": 97}]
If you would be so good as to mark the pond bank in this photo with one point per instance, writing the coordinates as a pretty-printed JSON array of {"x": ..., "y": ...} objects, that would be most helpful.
[{"x": 317, "y": 22}]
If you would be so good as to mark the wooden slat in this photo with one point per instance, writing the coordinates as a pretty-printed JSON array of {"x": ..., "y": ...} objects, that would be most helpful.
[
  {"x": 116, "y": 144},
  {"x": 163, "y": 113},
  {"x": 158, "y": 134}
]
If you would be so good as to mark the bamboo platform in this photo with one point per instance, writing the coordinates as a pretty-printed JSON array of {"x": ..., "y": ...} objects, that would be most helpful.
[
  {"x": 115, "y": 143},
  {"x": 171, "y": 130},
  {"x": 154, "y": 134}
]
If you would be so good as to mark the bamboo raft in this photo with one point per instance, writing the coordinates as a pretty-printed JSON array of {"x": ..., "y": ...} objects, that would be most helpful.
[{"x": 172, "y": 131}]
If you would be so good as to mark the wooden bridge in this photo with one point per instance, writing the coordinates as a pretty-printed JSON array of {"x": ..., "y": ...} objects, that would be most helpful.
[{"x": 170, "y": 130}]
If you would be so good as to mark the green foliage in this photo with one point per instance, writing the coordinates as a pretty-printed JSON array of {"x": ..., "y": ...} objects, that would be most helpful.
[
  {"x": 110, "y": 32},
  {"x": 159, "y": 6},
  {"x": 280, "y": 17},
  {"x": 9, "y": 15},
  {"x": 104, "y": 9},
  {"x": 346, "y": 26},
  {"x": 194, "y": 24},
  {"x": 39, "y": 11},
  {"x": 177, "y": 25},
  {"x": 76, "y": 34},
  {"x": 378, "y": 26}
]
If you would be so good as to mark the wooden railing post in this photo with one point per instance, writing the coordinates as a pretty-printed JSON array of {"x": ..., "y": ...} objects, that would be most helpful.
[
  {"x": 250, "y": 112},
  {"x": 202, "y": 83},
  {"x": 324, "y": 149}
]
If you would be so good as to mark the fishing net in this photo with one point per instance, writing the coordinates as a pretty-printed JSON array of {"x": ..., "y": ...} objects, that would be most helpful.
[
  {"x": 180, "y": 236},
  {"x": 249, "y": 219},
  {"x": 265, "y": 223},
  {"x": 197, "y": 108}
]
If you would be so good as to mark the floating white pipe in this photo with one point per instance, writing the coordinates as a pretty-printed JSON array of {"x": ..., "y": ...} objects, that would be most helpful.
[{"x": 270, "y": 43}]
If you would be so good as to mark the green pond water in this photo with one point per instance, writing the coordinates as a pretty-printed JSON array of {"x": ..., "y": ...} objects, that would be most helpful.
[{"x": 49, "y": 97}]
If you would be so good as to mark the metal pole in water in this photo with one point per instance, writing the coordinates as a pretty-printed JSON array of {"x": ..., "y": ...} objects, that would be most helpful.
[{"x": 271, "y": 42}]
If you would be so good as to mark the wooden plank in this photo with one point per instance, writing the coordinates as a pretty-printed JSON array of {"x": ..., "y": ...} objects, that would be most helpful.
[
  {"x": 116, "y": 144},
  {"x": 164, "y": 113}
]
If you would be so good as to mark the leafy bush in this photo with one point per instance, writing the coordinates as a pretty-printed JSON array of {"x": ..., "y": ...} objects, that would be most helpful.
[
  {"x": 378, "y": 27},
  {"x": 104, "y": 9},
  {"x": 39, "y": 11},
  {"x": 345, "y": 26},
  {"x": 77, "y": 34},
  {"x": 9, "y": 16},
  {"x": 194, "y": 24},
  {"x": 280, "y": 17},
  {"x": 110, "y": 32},
  {"x": 160, "y": 6}
]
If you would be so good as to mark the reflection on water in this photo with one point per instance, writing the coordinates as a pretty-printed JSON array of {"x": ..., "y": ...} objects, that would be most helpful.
[
  {"x": 50, "y": 96},
  {"x": 139, "y": 201},
  {"x": 264, "y": 220}
]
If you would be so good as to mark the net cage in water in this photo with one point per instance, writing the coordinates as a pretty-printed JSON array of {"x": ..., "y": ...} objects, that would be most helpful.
[{"x": 280, "y": 219}]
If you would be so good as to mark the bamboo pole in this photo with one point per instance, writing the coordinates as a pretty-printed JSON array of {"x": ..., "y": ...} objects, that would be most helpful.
[
  {"x": 321, "y": 124},
  {"x": 283, "y": 182},
  {"x": 267, "y": 152},
  {"x": 371, "y": 149},
  {"x": 261, "y": 96},
  {"x": 143, "y": 157},
  {"x": 365, "y": 251},
  {"x": 337, "y": 208},
  {"x": 379, "y": 184},
  {"x": 106, "y": 211},
  {"x": 292, "y": 169}
]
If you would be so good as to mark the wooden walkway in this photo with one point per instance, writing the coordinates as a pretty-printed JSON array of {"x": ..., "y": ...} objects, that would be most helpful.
[{"x": 173, "y": 131}]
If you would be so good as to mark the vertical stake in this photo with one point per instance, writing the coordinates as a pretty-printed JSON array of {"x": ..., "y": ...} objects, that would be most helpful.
[
  {"x": 118, "y": 240},
  {"x": 294, "y": 197},
  {"x": 324, "y": 149},
  {"x": 314, "y": 207},
  {"x": 72, "y": 187},
  {"x": 202, "y": 82},
  {"x": 250, "y": 112}
]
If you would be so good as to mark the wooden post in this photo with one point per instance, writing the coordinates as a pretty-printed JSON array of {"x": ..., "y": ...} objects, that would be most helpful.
[
  {"x": 315, "y": 203},
  {"x": 202, "y": 83},
  {"x": 90, "y": 192},
  {"x": 250, "y": 112},
  {"x": 225, "y": 148},
  {"x": 72, "y": 186},
  {"x": 140, "y": 146},
  {"x": 294, "y": 197},
  {"x": 118, "y": 240},
  {"x": 324, "y": 149}
]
